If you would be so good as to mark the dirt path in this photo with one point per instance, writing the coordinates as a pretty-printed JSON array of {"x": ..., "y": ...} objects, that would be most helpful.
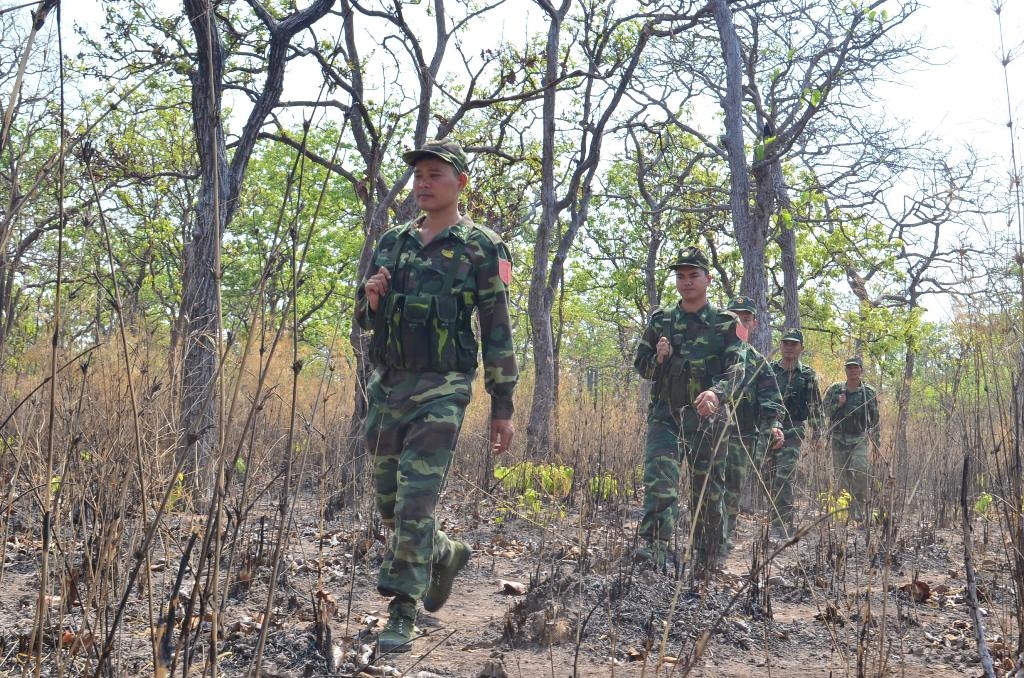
[{"x": 828, "y": 605}]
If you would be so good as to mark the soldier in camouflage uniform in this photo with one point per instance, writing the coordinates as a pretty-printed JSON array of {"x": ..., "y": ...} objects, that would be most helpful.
[
  {"x": 754, "y": 425},
  {"x": 694, "y": 355},
  {"x": 802, "y": 398},
  {"x": 426, "y": 278},
  {"x": 852, "y": 410}
]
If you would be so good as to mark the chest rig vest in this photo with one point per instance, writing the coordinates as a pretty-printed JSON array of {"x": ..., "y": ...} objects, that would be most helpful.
[
  {"x": 697, "y": 358},
  {"x": 852, "y": 418},
  {"x": 422, "y": 331},
  {"x": 794, "y": 395}
]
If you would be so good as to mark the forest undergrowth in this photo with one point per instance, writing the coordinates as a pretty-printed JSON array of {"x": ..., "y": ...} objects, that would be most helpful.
[{"x": 274, "y": 573}]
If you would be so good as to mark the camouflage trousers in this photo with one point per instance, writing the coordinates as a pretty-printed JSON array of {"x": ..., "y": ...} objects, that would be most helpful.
[
  {"x": 738, "y": 461},
  {"x": 700, "y": 445},
  {"x": 661, "y": 474},
  {"x": 850, "y": 464},
  {"x": 778, "y": 470},
  {"x": 412, "y": 425}
]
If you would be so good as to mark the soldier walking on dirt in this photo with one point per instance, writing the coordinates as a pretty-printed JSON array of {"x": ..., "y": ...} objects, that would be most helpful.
[
  {"x": 754, "y": 424},
  {"x": 852, "y": 410},
  {"x": 425, "y": 280},
  {"x": 801, "y": 396},
  {"x": 694, "y": 354}
]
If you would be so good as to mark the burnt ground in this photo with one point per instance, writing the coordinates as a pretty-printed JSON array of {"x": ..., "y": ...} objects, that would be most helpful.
[{"x": 835, "y": 602}]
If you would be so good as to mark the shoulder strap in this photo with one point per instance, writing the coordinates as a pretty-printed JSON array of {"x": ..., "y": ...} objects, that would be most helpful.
[
  {"x": 449, "y": 277},
  {"x": 396, "y": 253}
]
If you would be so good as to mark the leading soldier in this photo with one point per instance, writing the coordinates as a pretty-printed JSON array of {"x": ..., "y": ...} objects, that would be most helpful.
[
  {"x": 693, "y": 353},
  {"x": 427, "y": 277},
  {"x": 801, "y": 396}
]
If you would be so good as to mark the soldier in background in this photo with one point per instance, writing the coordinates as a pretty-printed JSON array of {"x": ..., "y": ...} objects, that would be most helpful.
[
  {"x": 694, "y": 355},
  {"x": 754, "y": 425},
  {"x": 852, "y": 410},
  {"x": 798, "y": 384},
  {"x": 426, "y": 279}
]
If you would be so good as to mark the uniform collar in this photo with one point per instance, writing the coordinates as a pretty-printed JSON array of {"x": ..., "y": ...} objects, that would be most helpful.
[
  {"x": 705, "y": 312},
  {"x": 458, "y": 230},
  {"x": 796, "y": 368}
]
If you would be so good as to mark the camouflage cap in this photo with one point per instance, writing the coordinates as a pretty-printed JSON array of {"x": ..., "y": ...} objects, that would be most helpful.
[
  {"x": 742, "y": 303},
  {"x": 445, "y": 149},
  {"x": 793, "y": 335},
  {"x": 855, "y": 360},
  {"x": 691, "y": 256}
]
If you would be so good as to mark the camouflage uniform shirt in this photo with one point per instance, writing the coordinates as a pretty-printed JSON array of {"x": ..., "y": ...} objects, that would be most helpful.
[
  {"x": 707, "y": 354},
  {"x": 800, "y": 395},
  {"x": 759, "y": 408},
  {"x": 857, "y": 418},
  {"x": 481, "y": 260}
]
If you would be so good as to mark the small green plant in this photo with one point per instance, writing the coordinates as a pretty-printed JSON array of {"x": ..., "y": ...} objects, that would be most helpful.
[
  {"x": 983, "y": 503},
  {"x": 531, "y": 484},
  {"x": 604, "y": 487},
  {"x": 836, "y": 505},
  {"x": 514, "y": 479},
  {"x": 177, "y": 492},
  {"x": 553, "y": 480}
]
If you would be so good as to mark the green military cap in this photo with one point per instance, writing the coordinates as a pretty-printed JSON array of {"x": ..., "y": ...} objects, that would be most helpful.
[
  {"x": 742, "y": 303},
  {"x": 691, "y": 256},
  {"x": 855, "y": 360},
  {"x": 446, "y": 149},
  {"x": 793, "y": 335}
]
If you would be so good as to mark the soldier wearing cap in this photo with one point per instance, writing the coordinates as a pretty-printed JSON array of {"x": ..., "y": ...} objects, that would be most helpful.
[
  {"x": 693, "y": 353},
  {"x": 851, "y": 407},
  {"x": 425, "y": 281},
  {"x": 801, "y": 395},
  {"x": 754, "y": 424}
]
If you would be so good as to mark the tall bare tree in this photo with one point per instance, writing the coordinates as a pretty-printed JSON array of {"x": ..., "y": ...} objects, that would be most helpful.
[
  {"x": 789, "y": 66},
  {"x": 221, "y": 181},
  {"x": 606, "y": 74}
]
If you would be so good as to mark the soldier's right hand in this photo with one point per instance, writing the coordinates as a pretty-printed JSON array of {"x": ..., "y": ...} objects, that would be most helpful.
[
  {"x": 841, "y": 401},
  {"x": 664, "y": 349},
  {"x": 376, "y": 287}
]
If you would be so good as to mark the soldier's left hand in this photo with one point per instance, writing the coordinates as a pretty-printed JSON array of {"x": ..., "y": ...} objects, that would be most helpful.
[
  {"x": 502, "y": 431},
  {"x": 706, "y": 403},
  {"x": 777, "y": 438}
]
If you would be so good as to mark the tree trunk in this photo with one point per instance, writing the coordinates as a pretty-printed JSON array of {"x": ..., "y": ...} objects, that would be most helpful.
[
  {"x": 201, "y": 276},
  {"x": 903, "y": 402},
  {"x": 541, "y": 298},
  {"x": 786, "y": 240},
  {"x": 751, "y": 229},
  {"x": 220, "y": 185}
]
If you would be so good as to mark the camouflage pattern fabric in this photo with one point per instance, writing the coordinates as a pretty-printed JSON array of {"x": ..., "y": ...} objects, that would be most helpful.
[
  {"x": 778, "y": 470},
  {"x": 661, "y": 474},
  {"x": 756, "y": 412},
  {"x": 802, "y": 400},
  {"x": 801, "y": 396},
  {"x": 412, "y": 425},
  {"x": 706, "y": 355},
  {"x": 850, "y": 462},
  {"x": 704, "y": 447},
  {"x": 851, "y": 427},
  {"x": 414, "y": 416},
  {"x": 479, "y": 257}
]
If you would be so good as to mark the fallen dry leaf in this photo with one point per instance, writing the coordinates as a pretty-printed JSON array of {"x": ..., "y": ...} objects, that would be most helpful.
[
  {"x": 918, "y": 591},
  {"x": 512, "y": 588}
]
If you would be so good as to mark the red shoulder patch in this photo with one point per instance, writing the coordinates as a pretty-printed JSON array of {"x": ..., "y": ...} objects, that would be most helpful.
[{"x": 505, "y": 270}]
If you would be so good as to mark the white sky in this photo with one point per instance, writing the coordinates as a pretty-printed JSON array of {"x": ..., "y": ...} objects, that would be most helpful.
[{"x": 961, "y": 98}]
